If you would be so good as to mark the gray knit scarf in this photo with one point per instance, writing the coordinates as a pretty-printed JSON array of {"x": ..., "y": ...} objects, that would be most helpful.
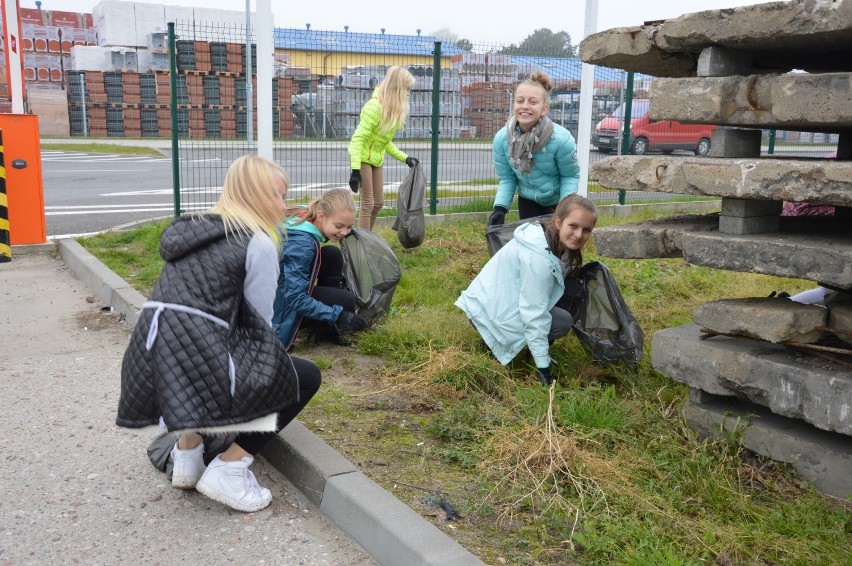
[{"x": 522, "y": 145}]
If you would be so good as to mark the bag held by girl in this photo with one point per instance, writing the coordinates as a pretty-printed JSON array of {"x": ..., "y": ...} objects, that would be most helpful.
[
  {"x": 603, "y": 322},
  {"x": 371, "y": 271},
  {"x": 498, "y": 235},
  {"x": 410, "y": 223}
]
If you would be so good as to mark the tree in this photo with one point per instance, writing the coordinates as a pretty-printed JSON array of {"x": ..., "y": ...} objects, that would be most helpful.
[
  {"x": 544, "y": 43},
  {"x": 447, "y": 36}
]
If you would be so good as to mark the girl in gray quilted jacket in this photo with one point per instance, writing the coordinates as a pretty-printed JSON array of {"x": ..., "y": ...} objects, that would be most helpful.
[
  {"x": 533, "y": 157},
  {"x": 203, "y": 358}
]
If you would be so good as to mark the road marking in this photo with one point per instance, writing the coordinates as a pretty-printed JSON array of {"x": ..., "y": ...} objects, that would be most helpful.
[{"x": 148, "y": 208}]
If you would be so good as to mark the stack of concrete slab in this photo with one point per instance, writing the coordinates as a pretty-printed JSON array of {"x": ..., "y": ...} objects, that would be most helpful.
[{"x": 752, "y": 362}]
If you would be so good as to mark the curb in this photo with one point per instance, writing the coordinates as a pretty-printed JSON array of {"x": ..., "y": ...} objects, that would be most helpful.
[{"x": 390, "y": 531}]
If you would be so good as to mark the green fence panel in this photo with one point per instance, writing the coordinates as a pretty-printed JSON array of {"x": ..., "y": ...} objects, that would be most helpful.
[{"x": 461, "y": 97}]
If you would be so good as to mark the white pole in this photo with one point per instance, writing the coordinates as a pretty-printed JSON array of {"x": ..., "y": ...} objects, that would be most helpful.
[
  {"x": 587, "y": 88},
  {"x": 249, "y": 72},
  {"x": 265, "y": 49},
  {"x": 13, "y": 49}
]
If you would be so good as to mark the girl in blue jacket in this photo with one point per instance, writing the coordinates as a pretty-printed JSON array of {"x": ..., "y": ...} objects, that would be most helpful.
[
  {"x": 533, "y": 157},
  {"x": 513, "y": 300},
  {"x": 311, "y": 284}
]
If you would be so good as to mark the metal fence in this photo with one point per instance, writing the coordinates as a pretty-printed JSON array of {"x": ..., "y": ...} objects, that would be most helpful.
[{"x": 462, "y": 96}]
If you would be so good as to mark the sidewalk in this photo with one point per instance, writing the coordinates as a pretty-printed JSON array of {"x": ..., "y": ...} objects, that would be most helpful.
[{"x": 78, "y": 489}]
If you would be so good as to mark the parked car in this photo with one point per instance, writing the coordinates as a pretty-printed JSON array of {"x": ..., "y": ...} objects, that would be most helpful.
[{"x": 650, "y": 135}]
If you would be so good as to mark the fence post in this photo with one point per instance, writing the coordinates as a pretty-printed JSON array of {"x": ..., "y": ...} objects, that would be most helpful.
[
  {"x": 175, "y": 124},
  {"x": 625, "y": 134},
  {"x": 436, "y": 124},
  {"x": 5, "y": 246},
  {"x": 83, "y": 104},
  {"x": 771, "y": 149}
]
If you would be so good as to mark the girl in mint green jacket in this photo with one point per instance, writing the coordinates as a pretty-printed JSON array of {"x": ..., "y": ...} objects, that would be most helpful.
[
  {"x": 512, "y": 303},
  {"x": 381, "y": 117}
]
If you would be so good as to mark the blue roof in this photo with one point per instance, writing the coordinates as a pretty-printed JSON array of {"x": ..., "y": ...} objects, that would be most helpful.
[
  {"x": 353, "y": 42},
  {"x": 569, "y": 69}
]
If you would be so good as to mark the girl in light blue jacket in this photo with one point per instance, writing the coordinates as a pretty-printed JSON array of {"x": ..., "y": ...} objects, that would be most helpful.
[
  {"x": 533, "y": 157},
  {"x": 512, "y": 302}
]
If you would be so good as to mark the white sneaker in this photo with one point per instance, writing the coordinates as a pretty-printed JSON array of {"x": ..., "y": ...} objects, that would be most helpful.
[
  {"x": 188, "y": 466},
  {"x": 233, "y": 484}
]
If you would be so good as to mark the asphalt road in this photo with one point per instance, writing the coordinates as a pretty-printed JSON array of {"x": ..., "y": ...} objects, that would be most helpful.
[{"x": 86, "y": 193}]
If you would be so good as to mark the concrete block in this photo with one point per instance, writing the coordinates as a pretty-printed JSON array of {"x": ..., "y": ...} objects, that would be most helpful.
[
  {"x": 840, "y": 319},
  {"x": 772, "y": 319},
  {"x": 700, "y": 396},
  {"x": 735, "y": 142},
  {"x": 97, "y": 277},
  {"x": 655, "y": 238},
  {"x": 128, "y": 302},
  {"x": 814, "y": 181},
  {"x": 26, "y": 249},
  {"x": 744, "y": 208},
  {"x": 822, "y": 458},
  {"x": 814, "y": 36},
  {"x": 827, "y": 259},
  {"x": 787, "y": 382},
  {"x": 306, "y": 460},
  {"x": 391, "y": 532},
  {"x": 632, "y": 49},
  {"x": 800, "y": 101},
  {"x": 721, "y": 62},
  {"x": 844, "y": 146},
  {"x": 749, "y": 225}
]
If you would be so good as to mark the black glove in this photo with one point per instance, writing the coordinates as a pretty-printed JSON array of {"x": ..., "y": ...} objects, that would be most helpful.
[
  {"x": 351, "y": 321},
  {"x": 498, "y": 216},
  {"x": 412, "y": 161},
  {"x": 544, "y": 376},
  {"x": 355, "y": 180}
]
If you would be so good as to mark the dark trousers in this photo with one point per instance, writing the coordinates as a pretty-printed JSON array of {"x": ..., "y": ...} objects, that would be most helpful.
[
  {"x": 331, "y": 286},
  {"x": 529, "y": 208},
  {"x": 309, "y": 383}
]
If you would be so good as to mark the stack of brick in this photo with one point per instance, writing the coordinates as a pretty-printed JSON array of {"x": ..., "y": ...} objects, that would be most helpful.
[
  {"x": 47, "y": 38},
  {"x": 210, "y": 104},
  {"x": 749, "y": 358},
  {"x": 490, "y": 106}
]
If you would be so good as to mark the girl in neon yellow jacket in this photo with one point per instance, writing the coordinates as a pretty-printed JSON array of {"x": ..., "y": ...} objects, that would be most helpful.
[{"x": 381, "y": 117}]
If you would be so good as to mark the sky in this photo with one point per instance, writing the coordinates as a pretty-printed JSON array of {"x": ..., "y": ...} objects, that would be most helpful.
[{"x": 480, "y": 21}]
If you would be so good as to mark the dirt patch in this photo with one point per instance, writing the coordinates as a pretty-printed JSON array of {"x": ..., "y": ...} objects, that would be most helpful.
[{"x": 97, "y": 319}]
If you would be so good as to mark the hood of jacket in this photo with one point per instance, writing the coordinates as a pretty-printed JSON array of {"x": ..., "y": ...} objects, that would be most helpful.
[
  {"x": 190, "y": 233},
  {"x": 293, "y": 225}
]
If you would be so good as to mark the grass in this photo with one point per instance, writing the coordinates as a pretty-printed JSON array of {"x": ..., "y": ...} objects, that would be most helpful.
[
  {"x": 600, "y": 470},
  {"x": 101, "y": 148}
]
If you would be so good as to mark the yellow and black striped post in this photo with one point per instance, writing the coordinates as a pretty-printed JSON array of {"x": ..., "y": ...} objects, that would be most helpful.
[{"x": 5, "y": 247}]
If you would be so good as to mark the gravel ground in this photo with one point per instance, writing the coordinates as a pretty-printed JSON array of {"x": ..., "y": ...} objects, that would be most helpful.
[{"x": 76, "y": 489}]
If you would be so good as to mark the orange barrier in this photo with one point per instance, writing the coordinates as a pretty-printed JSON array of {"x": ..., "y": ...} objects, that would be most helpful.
[{"x": 24, "y": 187}]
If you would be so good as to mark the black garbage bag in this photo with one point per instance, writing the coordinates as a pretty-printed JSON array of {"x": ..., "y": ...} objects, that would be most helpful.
[
  {"x": 603, "y": 322},
  {"x": 410, "y": 223},
  {"x": 499, "y": 235},
  {"x": 371, "y": 271}
]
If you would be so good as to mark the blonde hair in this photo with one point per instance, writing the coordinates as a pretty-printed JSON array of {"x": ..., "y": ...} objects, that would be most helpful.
[
  {"x": 393, "y": 98},
  {"x": 563, "y": 209},
  {"x": 250, "y": 199},
  {"x": 331, "y": 201},
  {"x": 542, "y": 81}
]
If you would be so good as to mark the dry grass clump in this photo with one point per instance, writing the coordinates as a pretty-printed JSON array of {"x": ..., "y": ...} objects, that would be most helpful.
[{"x": 545, "y": 470}]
